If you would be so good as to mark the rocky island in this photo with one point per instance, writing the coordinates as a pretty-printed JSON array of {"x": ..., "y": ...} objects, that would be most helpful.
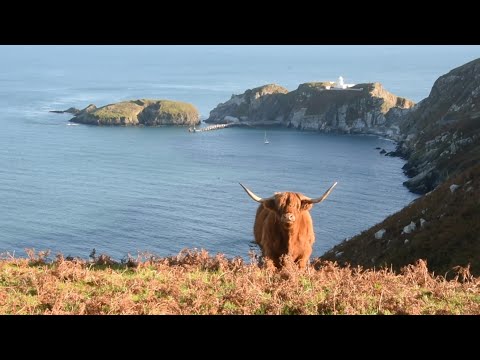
[
  {"x": 143, "y": 112},
  {"x": 363, "y": 108}
]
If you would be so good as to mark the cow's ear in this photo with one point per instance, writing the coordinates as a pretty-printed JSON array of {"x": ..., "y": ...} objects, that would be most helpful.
[
  {"x": 269, "y": 204},
  {"x": 306, "y": 205}
]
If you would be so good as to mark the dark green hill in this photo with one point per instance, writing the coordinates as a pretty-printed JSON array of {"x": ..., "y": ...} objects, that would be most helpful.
[{"x": 445, "y": 231}]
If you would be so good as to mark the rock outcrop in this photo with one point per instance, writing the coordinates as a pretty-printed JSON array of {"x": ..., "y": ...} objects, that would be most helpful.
[
  {"x": 142, "y": 112},
  {"x": 364, "y": 108},
  {"x": 71, "y": 110},
  {"x": 262, "y": 104},
  {"x": 442, "y": 133}
]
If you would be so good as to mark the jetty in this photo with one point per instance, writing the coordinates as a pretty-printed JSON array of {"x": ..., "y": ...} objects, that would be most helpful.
[{"x": 215, "y": 127}]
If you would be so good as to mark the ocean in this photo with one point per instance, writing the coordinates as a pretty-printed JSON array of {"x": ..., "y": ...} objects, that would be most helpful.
[{"x": 73, "y": 188}]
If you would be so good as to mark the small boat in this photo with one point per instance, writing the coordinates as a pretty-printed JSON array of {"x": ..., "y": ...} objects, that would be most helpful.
[{"x": 265, "y": 141}]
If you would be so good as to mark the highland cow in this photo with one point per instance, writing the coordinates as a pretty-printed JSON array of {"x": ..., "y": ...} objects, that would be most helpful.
[{"x": 283, "y": 225}]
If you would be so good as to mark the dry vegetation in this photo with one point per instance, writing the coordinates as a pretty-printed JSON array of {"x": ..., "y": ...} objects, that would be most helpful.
[
  {"x": 449, "y": 237},
  {"x": 195, "y": 283}
]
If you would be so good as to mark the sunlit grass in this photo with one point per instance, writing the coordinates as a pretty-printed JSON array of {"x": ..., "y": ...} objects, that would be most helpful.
[{"x": 193, "y": 282}]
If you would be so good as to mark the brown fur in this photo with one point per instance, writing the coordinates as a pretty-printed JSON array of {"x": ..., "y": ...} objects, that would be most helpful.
[{"x": 276, "y": 238}]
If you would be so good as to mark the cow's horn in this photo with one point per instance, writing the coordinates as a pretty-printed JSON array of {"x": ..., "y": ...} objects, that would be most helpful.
[
  {"x": 252, "y": 195},
  {"x": 324, "y": 196}
]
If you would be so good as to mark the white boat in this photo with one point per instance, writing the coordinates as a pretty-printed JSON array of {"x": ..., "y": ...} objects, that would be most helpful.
[{"x": 265, "y": 141}]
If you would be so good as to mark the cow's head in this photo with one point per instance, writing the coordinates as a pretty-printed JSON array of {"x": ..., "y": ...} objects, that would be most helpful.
[{"x": 288, "y": 205}]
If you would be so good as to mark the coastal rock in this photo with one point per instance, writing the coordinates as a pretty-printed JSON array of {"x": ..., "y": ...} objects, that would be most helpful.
[
  {"x": 361, "y": 109},
  {"x": 231, "y": 119},
  {"x": 262, "y": 104},
  {"x": 379, "y": 234},
  {"x": 454, "y": 187},
  {"x": 422, "y": 223},
  {"x": 409, "y": 228},
  {"x": 144, "y": 112},
  {"x": 70, "y": 110}
]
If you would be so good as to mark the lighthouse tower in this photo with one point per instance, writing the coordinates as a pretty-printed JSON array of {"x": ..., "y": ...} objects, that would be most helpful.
[{"x": 340, "y": 85}]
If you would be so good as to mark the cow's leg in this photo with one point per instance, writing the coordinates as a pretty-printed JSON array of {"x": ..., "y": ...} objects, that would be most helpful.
[{"x": 303, "y": 260}]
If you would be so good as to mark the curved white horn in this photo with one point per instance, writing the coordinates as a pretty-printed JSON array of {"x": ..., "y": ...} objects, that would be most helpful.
[
  {"x": 252, "y": 195},
  {"x": 323, "y": 197}
]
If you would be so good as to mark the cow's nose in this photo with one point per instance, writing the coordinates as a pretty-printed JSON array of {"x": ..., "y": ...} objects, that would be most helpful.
[{"x": 288, "y": 217}]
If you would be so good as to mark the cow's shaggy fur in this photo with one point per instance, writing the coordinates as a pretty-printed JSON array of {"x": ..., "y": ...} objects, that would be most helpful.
[
  {"x": 283, "y": 225},
  {"x": 276, "y": 237}
]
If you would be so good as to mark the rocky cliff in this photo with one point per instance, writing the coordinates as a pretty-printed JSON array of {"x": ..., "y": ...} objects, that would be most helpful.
[
  {"x": 142, "y": 112},
  {"x": 364, "y": 108},
  {"x": 264, "y": 104},
  {"x": 442, "y": 133}
]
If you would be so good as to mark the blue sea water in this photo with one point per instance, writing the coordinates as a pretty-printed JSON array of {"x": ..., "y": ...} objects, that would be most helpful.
[{"x": 71, "y": 188}]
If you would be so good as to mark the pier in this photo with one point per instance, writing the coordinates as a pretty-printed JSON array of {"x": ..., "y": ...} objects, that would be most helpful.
[{"x": 215, "y": 127}]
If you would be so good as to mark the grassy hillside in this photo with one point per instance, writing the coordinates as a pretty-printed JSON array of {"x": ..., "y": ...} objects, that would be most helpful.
[
  {"x": 176, "y": 108},
  {"x": 196, "y": 283},
  {"x": 127, "y": 109},
  {"x": 449, "y": 236}
]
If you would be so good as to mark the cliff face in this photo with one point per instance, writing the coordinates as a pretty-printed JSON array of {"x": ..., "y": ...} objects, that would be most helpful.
[
  {"x": 442, "y": 133},
  {"x": 140, "y": 113},
  {"x": 261, "y": 104},
  {"x": 364, "y": 108}
]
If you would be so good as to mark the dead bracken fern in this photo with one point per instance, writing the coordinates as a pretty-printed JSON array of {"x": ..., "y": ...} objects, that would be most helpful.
[
  {"x": 37, "y": 259},
  {"x": 194, "y": 282}
]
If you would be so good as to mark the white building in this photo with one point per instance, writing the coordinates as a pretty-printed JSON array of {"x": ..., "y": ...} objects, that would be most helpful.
[{"x": 341, "y": 85}]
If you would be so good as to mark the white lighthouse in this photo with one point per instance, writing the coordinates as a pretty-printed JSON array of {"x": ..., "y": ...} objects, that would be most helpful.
[{"x": 341, "y": 85}]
